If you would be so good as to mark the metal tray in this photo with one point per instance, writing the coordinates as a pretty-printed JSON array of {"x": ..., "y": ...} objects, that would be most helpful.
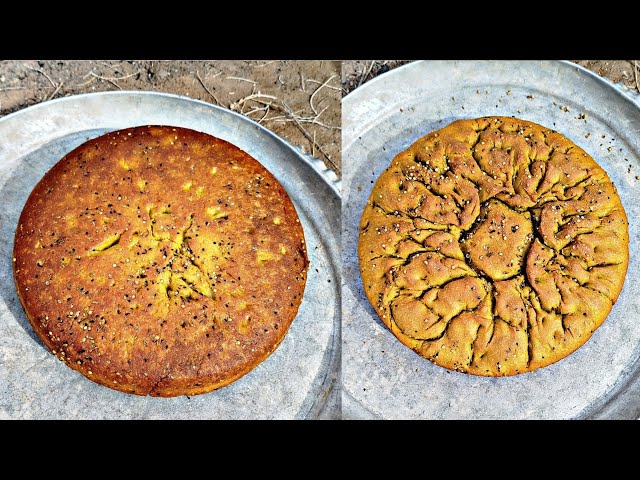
[
  {"x": 297, "y": 381},
  {"x": 384, "y": 379}
]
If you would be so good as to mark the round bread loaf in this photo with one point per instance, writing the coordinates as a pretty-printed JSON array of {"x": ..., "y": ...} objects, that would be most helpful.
[
  {"x": 493, "y": 246},
  {"x": 160, "y": 261}
]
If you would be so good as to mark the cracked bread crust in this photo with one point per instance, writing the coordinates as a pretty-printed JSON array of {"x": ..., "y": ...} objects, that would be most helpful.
[
  {"x": 160, "y": 261},
  {"x": 493, "y": 246}
]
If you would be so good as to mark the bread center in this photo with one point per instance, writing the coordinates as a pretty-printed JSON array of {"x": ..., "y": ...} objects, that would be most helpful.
[{"x": 498, "y": 241}]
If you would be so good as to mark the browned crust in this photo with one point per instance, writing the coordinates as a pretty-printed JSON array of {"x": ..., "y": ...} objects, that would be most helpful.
[
  {"x": 160, "y": 261},
  {"x": 493, "y": 246}
]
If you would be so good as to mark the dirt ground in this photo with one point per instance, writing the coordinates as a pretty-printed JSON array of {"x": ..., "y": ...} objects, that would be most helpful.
[
  {"x": 298, "y": 100},
  {"x": 358, "y": 72}
]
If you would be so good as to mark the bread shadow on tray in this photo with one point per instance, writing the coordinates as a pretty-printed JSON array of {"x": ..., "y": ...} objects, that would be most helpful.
[
  {"x": 25, "y": 174},
  {"x": 355, "y": 199}
]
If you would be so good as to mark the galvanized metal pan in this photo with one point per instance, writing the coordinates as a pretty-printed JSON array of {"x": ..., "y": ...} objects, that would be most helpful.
[
  {"x": 297, "y": 381},
  {"x": 384, "y": 379}
]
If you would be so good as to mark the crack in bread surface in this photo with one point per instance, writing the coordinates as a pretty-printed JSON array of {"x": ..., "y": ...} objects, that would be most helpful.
[{"x": 493, "y": 246}]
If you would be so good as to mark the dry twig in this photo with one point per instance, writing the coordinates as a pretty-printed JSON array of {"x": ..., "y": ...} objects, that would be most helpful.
[
  {"x": 316, "y": 91},
  {"x": 312, "y": 139},
  {"x": 56, "y": 86},
  {"x": 319, "y": 83},
  {"x": 241, "y": 79},
  {"x": 265, "y": 114},
  {"x": 238, "y": 105},
  {"x": 362, "y": 79},
  {"x": 112, "y": 79},
  {"x": 91, "y": 79},
  {"x": 302, "y": 82},
  {"x": 205, "y": 87},
  {"x": 56, "y": 90},
  {"x": 309, "y": 137},
  {"x": 293, "y": 117},
  {"x": 53, "y": 84},
  {"x": 112, "y": 67}
]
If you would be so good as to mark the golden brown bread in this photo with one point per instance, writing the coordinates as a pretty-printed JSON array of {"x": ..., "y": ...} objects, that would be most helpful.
[
  {"x": 160, "y": 260},
  {"x": 493, "y": 246}
]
